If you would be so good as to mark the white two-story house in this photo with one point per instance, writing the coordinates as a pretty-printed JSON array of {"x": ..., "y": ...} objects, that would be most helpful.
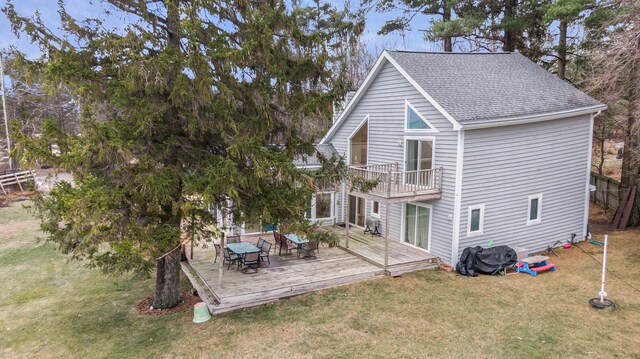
[{"x": 467, "y": 149}]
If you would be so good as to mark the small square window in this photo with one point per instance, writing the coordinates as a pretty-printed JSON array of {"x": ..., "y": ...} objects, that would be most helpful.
[{"x": 475, "y": 220}]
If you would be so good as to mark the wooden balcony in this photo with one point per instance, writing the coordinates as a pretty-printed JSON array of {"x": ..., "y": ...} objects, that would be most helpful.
[{"x": 395, "y": 186}]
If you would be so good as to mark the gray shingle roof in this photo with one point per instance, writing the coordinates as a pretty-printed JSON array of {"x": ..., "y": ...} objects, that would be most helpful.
[
  {"x": 326, "y": 150},
  {"x": 476, "y": 87}
]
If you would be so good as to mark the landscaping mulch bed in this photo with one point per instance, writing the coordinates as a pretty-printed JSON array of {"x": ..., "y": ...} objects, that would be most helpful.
[{"x": 143, "y": 307}]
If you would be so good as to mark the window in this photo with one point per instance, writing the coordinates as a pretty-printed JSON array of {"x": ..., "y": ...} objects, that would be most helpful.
[
  {"x": 375, "y": 208},
  {"x": 535, "y": 209},
  {"x": 475, "y": 220},
  {"x": 323, "y": 205},
  {"x": 417, "y": 225},
  {"x": 359, "y": 144},
  {"x": 414, "y": 121},
  {"x": 418, "y": 158}
]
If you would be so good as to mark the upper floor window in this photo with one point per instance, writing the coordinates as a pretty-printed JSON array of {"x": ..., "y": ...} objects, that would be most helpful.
[
  {"x": 414, "y": 121},
  {"x": 535, "y": 209},
  {"x": 359, "y": 143}
]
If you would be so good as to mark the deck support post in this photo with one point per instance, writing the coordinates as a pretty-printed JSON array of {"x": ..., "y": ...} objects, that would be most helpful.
[
  {"x": 346, "y": 218},
  {"x": 386, "y": 236},
  {"x": 222, "y": 242}
]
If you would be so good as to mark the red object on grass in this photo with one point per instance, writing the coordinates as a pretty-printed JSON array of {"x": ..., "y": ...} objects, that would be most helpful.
[
  {"x": 543, "y": 268},
  {"x": 567, "y": 246}
]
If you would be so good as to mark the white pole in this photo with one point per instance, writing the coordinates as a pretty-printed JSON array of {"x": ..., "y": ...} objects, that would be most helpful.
[
  {"x": 4, "y": 110},
  {"x": 604, "y": 269}
]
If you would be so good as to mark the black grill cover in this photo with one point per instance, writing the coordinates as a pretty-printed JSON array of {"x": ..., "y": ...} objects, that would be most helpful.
[{"x": 478, "y": 260}]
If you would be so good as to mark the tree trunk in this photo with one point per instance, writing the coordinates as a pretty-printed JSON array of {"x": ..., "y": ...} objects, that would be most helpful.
[
  {"x": 509, "y": 32},
  {"x": 562, "y": 49},
  {"x": 168, "y": 280},
  {"x": 448, "y": 43},
  {"x": 168, "y": 267},
  {"x": 631, "y": 153}
]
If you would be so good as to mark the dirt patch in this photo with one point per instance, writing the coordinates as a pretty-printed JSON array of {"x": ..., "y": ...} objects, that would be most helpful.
[
  {"x": 5, "y": 200},
  {"x": 188, "y": 301},
  {"x": 599, "y": 219}
]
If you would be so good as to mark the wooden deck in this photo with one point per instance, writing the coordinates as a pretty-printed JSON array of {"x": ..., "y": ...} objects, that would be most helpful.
[
  {"x": 290, "y": 276},
  {"x": 285, "y": 277},
  {"x": 403, "y": 258}
]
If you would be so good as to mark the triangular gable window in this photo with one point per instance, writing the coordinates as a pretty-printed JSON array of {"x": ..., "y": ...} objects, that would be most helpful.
[{"x": 415, "y": 121}]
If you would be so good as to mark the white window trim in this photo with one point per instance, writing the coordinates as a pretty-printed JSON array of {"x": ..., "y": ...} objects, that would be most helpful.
[
  {"x": 374, "y": 214},
  {"x": 481, "y": 224},
  {"x": 402, "y": 224},
  {"x": 332, "y": 206},
  {"x": 408, "y": 105},
  {"x": 365, "y": 120},
  {"x": 419, "y": 138},
  {"x": 539, "y": 216}
]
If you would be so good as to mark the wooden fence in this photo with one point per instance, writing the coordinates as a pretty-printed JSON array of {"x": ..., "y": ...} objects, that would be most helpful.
[
  {"x": 15, "y": 180},
  {"x": 608, "y": 191}
]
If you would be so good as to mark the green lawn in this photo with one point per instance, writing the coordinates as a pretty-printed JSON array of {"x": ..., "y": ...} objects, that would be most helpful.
[{"x": 51, "y": 307}]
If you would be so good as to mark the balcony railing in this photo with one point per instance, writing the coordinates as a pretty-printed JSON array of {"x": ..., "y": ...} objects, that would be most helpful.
[{"x": 392, "y": 183}]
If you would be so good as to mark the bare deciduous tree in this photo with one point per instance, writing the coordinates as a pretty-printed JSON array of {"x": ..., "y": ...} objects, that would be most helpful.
[{"x": 616, "y": 78}]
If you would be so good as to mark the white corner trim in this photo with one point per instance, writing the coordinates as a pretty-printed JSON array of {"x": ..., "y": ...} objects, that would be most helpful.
[
  {"x": 588, "y": 177},
  {"x": 457, "y": 201},
  {"x": 367, "y": 82},
  {"x": 481, "y": 222},
  {"x": 520, "y": 120},
  {"x": 407, "y": 106},
  {"x": 539, "y": 214}
]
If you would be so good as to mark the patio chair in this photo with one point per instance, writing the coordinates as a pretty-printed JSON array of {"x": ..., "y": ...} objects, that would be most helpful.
[
  {"x": 230, "y": 257},
  {"x": 217, "y": 246},
  {"x": 287, "y": 246},
  {"x": 251, "y": 261},
  {"x": 309, "y": 249},
  {"x": 260, "y": 241},
  {"x": 264, "y": 251},
  {"x": 233, "y": 239}
]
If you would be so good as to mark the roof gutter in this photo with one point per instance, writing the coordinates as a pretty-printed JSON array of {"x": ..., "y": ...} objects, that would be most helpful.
[{"x": 519, "y": 120}]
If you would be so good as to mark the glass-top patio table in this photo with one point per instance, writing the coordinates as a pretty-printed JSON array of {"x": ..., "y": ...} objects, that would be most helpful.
[
  {"x": 295, "y": 239},
  {"x": 242, "y": 248}
]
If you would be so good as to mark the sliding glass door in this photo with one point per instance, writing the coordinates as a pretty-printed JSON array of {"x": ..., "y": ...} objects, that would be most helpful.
[
  {"x": 417, "y": 225},
  {"x": 418, "y": 156},
  {"x": 356, "y": 210}
]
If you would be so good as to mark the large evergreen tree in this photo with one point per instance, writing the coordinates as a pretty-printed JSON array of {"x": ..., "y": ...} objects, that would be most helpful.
[{"x": 190, "y": 103}]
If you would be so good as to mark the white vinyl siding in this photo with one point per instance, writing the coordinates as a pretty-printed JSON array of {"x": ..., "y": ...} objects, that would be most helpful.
[
  {"x": 384, "y": 103},
  {"x": 503, "y": 166}
]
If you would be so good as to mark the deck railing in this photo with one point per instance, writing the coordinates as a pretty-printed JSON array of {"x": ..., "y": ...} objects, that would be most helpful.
[{"x": 390, "y": 182}]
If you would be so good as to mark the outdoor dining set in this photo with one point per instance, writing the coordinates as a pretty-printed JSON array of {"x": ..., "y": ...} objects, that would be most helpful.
[{"x": 248, "y": 256}]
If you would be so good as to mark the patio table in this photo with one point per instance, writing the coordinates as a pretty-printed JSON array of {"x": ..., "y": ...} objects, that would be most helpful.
[
  {"x": 295, "y": 239},
  {"x": 242, "y": 248}
]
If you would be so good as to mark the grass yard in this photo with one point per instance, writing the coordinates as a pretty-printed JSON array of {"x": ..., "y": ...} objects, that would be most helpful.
[{"x": 51, "y": 307}]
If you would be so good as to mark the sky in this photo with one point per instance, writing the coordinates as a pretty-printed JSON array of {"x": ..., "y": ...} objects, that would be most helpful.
[{"x": 411, "y": 40}]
